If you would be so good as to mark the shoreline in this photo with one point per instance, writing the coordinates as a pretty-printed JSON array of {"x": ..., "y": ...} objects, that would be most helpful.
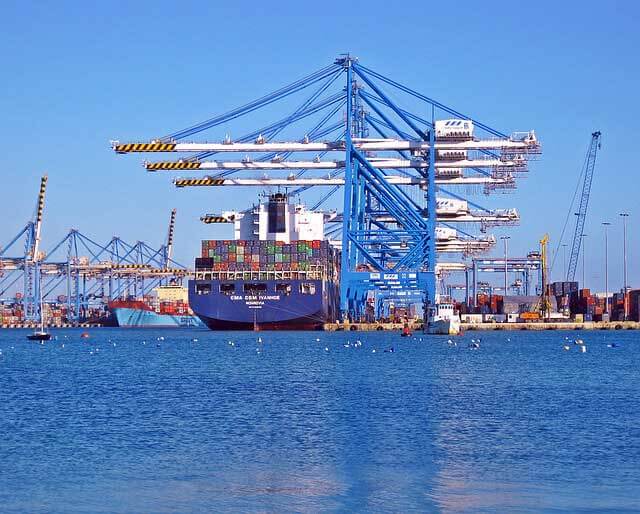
[{"x": 398, "y": 327}]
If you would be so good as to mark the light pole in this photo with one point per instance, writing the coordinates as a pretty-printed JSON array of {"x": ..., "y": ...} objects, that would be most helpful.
[
  {"x": 505, "y": 239},
  {"x": 606, "y": 267},
  {"x": 584, "y": 252},
  {"x": 624, "y": 216},
  {"x": 564, "y": 256}
]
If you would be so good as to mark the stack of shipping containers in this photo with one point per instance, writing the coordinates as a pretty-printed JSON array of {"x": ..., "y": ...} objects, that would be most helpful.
[{"x": 241, "y": 255}]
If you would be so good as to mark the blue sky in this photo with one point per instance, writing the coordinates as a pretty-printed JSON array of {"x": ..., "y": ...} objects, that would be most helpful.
[{"x": 76, "y": 75}]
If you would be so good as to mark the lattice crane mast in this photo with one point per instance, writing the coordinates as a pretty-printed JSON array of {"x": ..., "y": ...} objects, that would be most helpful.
[{"x": 589, "y": 168}]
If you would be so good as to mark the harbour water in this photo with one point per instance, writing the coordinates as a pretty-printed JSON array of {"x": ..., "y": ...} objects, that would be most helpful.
[{"x": 183, "y": 421}]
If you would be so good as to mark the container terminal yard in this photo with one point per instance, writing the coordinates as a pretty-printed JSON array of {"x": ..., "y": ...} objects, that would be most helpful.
[{"x": 407, "y": 247}]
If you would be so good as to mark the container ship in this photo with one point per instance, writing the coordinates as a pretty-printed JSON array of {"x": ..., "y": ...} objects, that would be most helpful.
[
  {"x": 166, "y": 308},
  {"x": 277, "y": 273}
]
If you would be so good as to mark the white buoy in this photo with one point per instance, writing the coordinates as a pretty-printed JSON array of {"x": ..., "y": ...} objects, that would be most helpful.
[
  {"x": 317, "y": 339},
  {"x": 259, "y": 339},
  {"x": 326, "y": 349},
  {"x": 566, "y": 347},
  {"x": 583, "y": 349}
]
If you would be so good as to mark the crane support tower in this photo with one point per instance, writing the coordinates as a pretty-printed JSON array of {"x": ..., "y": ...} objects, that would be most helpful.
[
  {"x": 400, "y": 172},
  {"x": 545, "y": 303},
  {"x": 589, "y": 167}
]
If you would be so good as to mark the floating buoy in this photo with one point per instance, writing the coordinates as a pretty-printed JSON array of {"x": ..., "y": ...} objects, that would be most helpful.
[
  {"x": 84, "y": 335},
  {"x": 583, "y": 349},
  {"x": 566, "y": 347}
]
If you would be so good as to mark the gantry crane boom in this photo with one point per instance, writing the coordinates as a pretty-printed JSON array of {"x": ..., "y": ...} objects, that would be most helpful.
[
  {"x": 37, "y": 227},
  {"x": 329, "y": 165},
  {"x": 325, "y": 181},
  {"x": 172, "y": 223},
  {"x": 590, "y": 164},
  {"x": 528, "y": 144}
]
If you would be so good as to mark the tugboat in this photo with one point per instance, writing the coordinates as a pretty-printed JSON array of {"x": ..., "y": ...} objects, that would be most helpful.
[{"x": 442, "y": 319}]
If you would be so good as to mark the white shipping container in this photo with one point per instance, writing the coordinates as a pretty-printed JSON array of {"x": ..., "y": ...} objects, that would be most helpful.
[
  {"x": 451, "y": 206},
  {"x": 454, "y": 129},
  {"x": 471, "y": 318},
  {"x": 446, "y": 233}
]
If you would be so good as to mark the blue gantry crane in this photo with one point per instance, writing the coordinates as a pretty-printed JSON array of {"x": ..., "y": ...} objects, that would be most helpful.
[
  {"x": 80, "y": 269},
  {"x": 398, "y": 171}
]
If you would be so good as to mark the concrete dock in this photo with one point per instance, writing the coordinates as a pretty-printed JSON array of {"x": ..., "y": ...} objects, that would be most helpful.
[{"x": 417, "y": 327}]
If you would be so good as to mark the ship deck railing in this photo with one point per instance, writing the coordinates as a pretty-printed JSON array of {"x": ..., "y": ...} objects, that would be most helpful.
[{"x": 314, "y": 273}]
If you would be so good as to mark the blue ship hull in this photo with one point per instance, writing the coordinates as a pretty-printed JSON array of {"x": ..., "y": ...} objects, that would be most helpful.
[
  {"x": 264, "y": 305},
  {"x": 126, "y": 317}
]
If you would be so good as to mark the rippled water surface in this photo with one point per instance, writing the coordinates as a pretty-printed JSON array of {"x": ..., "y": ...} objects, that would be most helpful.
[{"x": 128, "y": 422}]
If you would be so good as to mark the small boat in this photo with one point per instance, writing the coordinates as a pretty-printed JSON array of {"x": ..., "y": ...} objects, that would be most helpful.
[
  {"x": 406, "y": 331},
  {"x": 84, "y": 335},
  {"x": 39, "y": 335},
  {"x": 442, "y": 319}
]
